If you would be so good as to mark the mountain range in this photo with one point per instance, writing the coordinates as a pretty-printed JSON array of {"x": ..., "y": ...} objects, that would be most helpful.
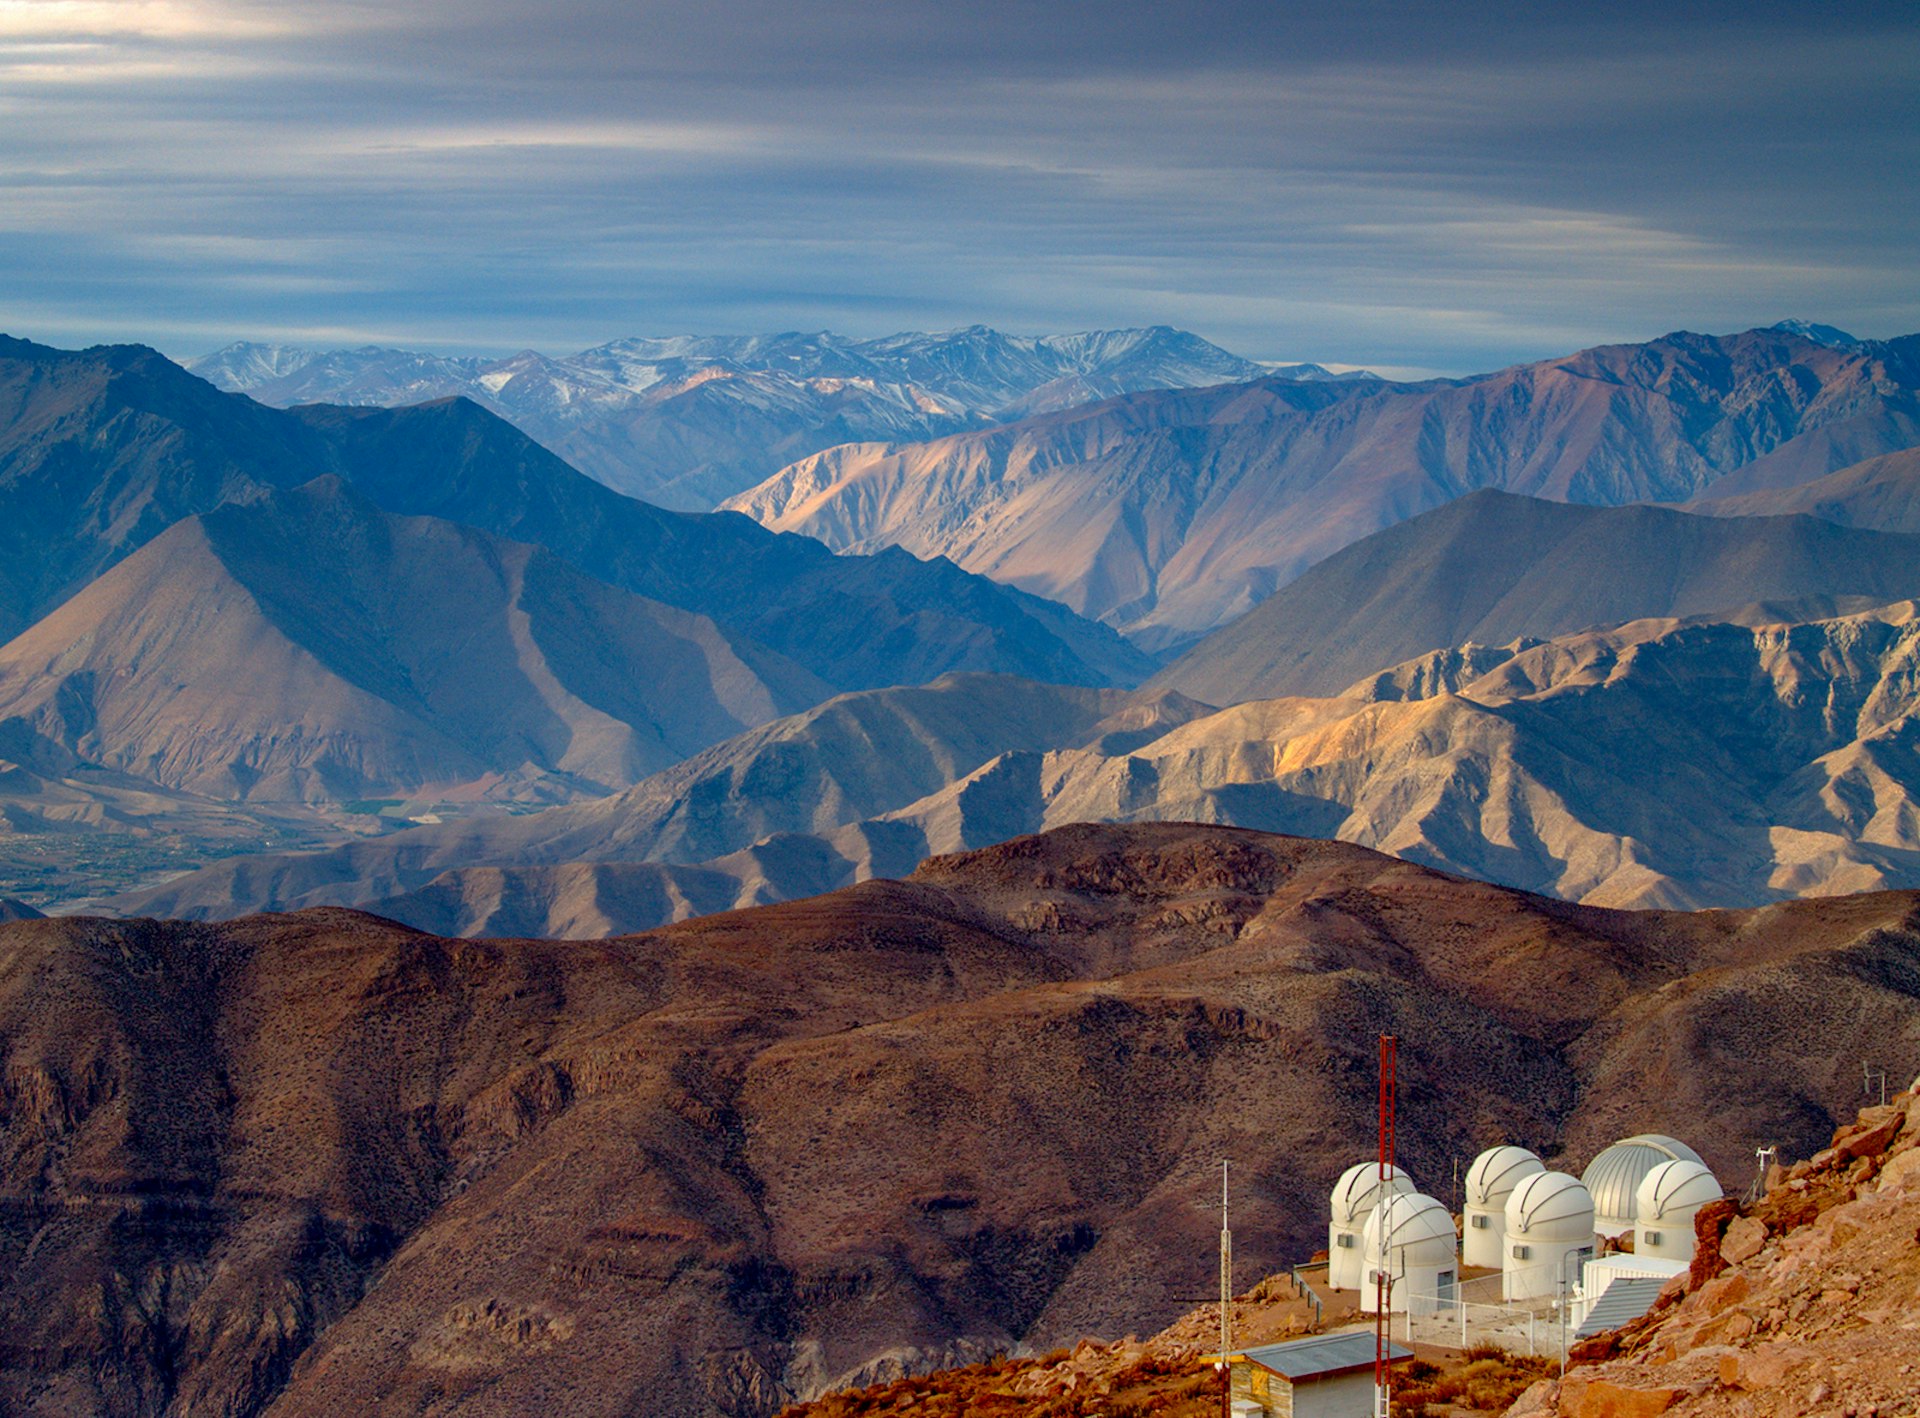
[
  {"x": 687, "y": 421},
  {"x": 306, "y": 646},
  {"x": 226, "y": 627},
  {"x": 1167, "y": 514},
  {"x": 321, "y": 1163},
  {"x": 102, "y": 450},
  {"x": 1659, "y": 764},
  {"x": 433, "y": 617}
]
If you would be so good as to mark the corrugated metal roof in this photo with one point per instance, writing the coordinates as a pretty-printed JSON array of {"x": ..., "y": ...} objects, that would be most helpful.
[
  {"x": 1322, "y": 1355},
  {"x": 1623, "y": 1302}
]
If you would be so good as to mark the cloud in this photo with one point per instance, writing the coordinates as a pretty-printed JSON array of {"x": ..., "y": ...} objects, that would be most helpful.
[{"x": 1371, "y": 183}]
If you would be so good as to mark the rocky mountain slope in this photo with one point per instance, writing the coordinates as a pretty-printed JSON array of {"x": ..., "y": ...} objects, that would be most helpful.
[
  {"x": 1492, "y": 568},
  {"x": 1882, "y": 493},
  {"x": 1169, "y": 514},
  {"x": 101, "y": 450},
  {"x": 1661, "y": 764},
  {"x": 687, "y": 421},
  {"x": 1801, "y": 1303},
  {"x": 309, "y": 647},
  {"x": 329, "y": 1164},
  {"x": 1796, "y": 1322}
]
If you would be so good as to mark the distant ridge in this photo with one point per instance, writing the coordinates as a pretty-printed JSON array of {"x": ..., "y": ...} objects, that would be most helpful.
[
  {"x": 102, "y": 450},
  {"x": 1662, "y": 763},
  {"x": 1881, "y": 494},
  {"x": 1492, "y": 567},
  {"x": 686, "y": 421},
  {"x": 308, "y": 646},
  {"x": 1169, "y": 514}
]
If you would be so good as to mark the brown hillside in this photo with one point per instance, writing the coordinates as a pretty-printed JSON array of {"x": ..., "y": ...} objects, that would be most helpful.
[{"x": 328, "y": 1164}]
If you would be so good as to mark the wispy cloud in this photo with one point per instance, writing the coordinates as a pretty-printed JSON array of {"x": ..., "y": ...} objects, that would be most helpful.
[{"x": 1373, "y": 183}]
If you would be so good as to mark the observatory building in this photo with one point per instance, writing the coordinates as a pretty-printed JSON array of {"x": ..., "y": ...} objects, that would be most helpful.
[
  {"x": 1354, "y": 1197},
  {"x": 1490, "y": 1181},
  {"x": 1664, "y": 1208},
  {"x": 1549, "y": 1222},
  {"x": 1411, "y": 1238},
  {"x": 1613, "y": 1178}
]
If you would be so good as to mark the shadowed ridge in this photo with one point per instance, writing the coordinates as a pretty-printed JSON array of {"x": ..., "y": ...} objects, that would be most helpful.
[
  {"x": 102, "y": 450},
  {"x": 308, "y": 646},
  {"x": 1882, "y": 494},
  {"x": 1492, "y": 567}
]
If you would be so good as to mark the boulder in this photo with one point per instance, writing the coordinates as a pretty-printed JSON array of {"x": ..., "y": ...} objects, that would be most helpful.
[
  {"x": 1872, "y": 1139},
  {"x": 1601, "y": 1398},
  {"x": 1745, "y": 1236}
]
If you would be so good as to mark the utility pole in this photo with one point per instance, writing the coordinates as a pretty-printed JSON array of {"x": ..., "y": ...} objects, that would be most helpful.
[
  {"x": 1226, "y": 1300},
  {"x": 1382, "y": 1283}
]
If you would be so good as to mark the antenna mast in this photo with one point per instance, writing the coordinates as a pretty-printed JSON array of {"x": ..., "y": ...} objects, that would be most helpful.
[
  {"x": 1226, "y": 1297},
  {"x": 1382, "y": 1282}
]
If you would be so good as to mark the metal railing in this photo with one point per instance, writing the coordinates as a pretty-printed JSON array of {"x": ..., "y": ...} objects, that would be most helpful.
[{"x": 1305, "y": 1292}]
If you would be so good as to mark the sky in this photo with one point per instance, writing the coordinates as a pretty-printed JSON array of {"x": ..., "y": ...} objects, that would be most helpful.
[{"x": 1414, "y": 187}]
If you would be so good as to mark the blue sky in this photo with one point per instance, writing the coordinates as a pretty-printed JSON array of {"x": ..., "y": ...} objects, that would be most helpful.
[{"x": 1431, "y": 187}]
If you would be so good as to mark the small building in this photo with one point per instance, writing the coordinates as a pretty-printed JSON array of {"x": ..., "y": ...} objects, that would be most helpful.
[
  {"x": 1323, "y": 1376},
  {"x": 1613, "y": 1178},
  {"x": 1665, "y": 1205},
  {"x": 1411, "y": 1239},
  {"x": 1490, "y": 1181},
  {"x": 1354, "y": 1197},
  {"x": 1602, "y": 1273},
  {"x": 1549, "y": 1230}
]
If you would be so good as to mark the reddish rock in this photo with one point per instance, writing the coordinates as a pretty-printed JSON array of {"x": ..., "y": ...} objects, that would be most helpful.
[
  {"x": 1595, "y": 1350},
  {"x": 1872, "y": 1140},
  {"x": 1599, "y": 1398},
  {"x": 1745, "y": 1236},
  {"x": 1764, "y": 1367},
  {"x": 1722, "y": 1293},
  {"x": 1708, "y": 1224},
  {"x": 1901, "y": 1170}
]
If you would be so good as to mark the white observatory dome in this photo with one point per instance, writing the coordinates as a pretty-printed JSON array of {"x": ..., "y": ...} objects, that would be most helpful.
[
  {"x": 1614, "y": 1177},
  {"x": 1354, "y": 1197},
  {"x": 1664, "y": 1207},
  {"x": 1358, "y": 1191},
  {"x": 1549, "y": 1221},
  {"x": 1411, "y": 1238},
  {"x": 1496, "y": 1172},
  {"x": 1551, "y": 1206},
  {"x": 1490, "y": 1180},
  {"x": 1410, "y": 1228}
]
